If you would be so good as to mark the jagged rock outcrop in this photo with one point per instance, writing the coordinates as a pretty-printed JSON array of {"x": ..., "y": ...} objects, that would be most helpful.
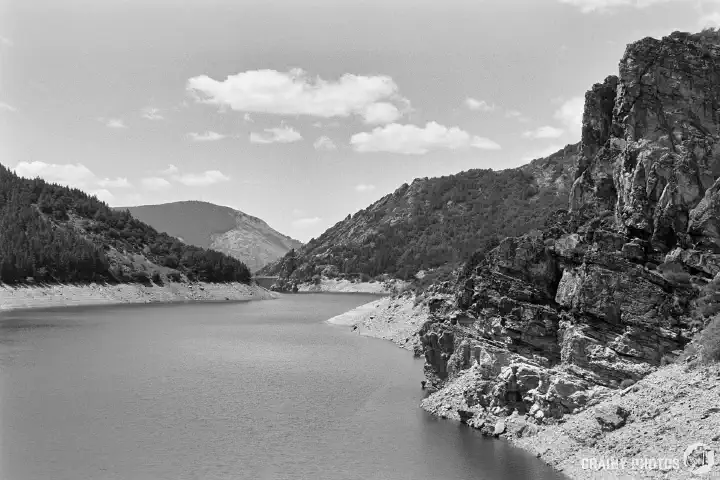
[{"x": 560, "y": 317}]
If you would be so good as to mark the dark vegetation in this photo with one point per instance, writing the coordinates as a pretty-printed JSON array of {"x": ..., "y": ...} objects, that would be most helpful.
[
  {"x": 436, "y": 223},
  {"x": 710, "y": 341},
  {"x": 51, "y": 233}
]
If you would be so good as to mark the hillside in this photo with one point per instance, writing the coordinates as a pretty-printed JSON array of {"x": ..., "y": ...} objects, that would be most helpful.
[
  {"x": 50, "y": 233},
  {"x": 247, "y": 238},
  {"x": 436, "y": 222}
]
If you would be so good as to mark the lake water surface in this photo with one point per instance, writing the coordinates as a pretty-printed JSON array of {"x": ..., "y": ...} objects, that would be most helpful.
[{"x": 255, "y": 390}]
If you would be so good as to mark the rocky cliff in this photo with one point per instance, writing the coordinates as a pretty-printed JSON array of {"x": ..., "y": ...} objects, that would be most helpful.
[{"x": 553, "y": 321}]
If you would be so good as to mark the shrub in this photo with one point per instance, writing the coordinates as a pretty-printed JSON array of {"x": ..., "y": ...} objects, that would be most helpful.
[
  {"x": 156, "y": 278},
  {"x": 140, "y": 277},
  {"x": 710, "y": 342},
  {"x": 174, "y": 277},
  {"x": 666, "y": 360}
]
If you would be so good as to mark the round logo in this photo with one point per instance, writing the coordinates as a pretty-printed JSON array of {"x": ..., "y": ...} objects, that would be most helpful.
[{"x": 698, "y": 458}]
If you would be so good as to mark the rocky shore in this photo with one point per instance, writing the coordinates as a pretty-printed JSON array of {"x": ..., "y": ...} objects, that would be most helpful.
[
  {"x": 397, "y": 319},
  {"x": 46, "y": 296}
]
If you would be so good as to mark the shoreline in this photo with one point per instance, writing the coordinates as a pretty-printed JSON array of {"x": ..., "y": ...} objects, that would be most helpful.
[
  {"x": 395, "y": 319},
  {"x": 93, "y": 294},
  {"x": 649, "y": 408}
]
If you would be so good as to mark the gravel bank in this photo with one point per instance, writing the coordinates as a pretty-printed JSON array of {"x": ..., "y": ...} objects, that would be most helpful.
[
  {"x": 390, "y": 318},
  {"x": 13, "y": 298}
]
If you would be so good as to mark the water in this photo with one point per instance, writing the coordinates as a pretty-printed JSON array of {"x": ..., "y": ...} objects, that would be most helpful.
[{"x": 256, "y": 390}]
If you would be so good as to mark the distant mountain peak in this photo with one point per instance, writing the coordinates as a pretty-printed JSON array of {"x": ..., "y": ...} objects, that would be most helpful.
[{"x": 220, "y": 228}]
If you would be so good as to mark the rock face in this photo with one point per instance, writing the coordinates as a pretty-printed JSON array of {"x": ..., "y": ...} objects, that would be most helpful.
[{"x": 560, "y": 317}]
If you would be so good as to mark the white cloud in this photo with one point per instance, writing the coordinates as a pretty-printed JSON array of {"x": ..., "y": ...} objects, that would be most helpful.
[
  {"x": 570, "y": 114},
  {"x": 324, "y": 143},
  {"x": 112, "y": 122},
  {"x": 152, "y": 113},
  {"x": 204, "y": 179},
  {"x": 543, "y": 152},
  {"x": 364, "y": 188},
  {"x": 517, "y": 115},
  {"x": 103, "y": 194},
  {"x": 119, "y": 182},
  {"x": 711, "y": 19},
  {"x": 381, "y": 113},
  {"x": 480, "y": 105},
  {"x": 7, "y": 107},
  {"x": 306, "y": 222},
  {"x": 205, "y": 136},
  {"x": 484, "y": 143},
  {"x": 170, "y": 170},
  {"x": 544, "y": 132},
  {"x": 280, "y": 134},
  {"x": 6, "y": 42},
  {"x": 154, "y": 183},
  {"x": 71, "y": 175},
  {"x": 295, "y": 93},
  {"x": 414, "y": 140},
  {"x": 587, "y": 6}
]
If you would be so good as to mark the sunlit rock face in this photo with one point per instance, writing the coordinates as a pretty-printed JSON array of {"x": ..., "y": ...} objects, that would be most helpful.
[{"x": 607, "y": 288}]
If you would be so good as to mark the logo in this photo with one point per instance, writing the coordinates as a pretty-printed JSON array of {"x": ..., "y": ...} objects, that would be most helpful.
[{"x": 699, "y": 458}]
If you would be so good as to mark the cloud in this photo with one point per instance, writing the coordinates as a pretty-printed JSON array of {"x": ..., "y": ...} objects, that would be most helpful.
[
  {"x": 7, "y": 107},
  {"x": 170, "y": 170},
  {"x": 6, "y": 42},
  {"x": 119, "y": 182},
  {"x": 112, "y": 122},
  {"x": 72, "y": 175},
  {"x": 543, "y": 152},
  {"x": 479, "y": 105},
  {"x": 381, "y": 113},
  {"x": 152, "y": 113},
  {"x": 570, "y": 114},
  {"x": 280, "y": 134},
  {"x": 324, "y": 143},
  {"x": 364, "y": 188},
  {"x": 295, "y": 93},
  {"x": 587, "y": 6},
  {"x": 517, "y": 115},
  {"x": 154, "y": 183},
  {"x": 306, "y": 222},
  {"x": 204, "y": 179},
  {"x": 103, "y": 194},
  {"x": 414, "y": 140},
  {"x": 711, "y": 19},
  {"x": 205, "y": 136},
  {"x": 544, "y": 132}
]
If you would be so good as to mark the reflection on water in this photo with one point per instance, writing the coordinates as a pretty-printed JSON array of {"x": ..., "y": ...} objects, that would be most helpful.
[{"x": 257, "y": 390}]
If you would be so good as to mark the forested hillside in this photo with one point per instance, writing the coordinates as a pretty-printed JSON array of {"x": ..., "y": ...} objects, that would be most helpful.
[
  {"x": 436, "y": 222},
  {"x": 51, "y": 233}
]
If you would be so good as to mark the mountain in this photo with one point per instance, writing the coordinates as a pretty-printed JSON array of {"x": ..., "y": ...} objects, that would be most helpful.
[
  {"x": 436, "y": 222},
  {"x": 205, "y": 225},
  {"x": 54, "y": 233},
  {"x": 618, "y": 284}
]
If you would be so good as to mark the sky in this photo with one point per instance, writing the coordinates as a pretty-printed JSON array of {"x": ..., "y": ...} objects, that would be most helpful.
[{"x": 301, "y": 112}]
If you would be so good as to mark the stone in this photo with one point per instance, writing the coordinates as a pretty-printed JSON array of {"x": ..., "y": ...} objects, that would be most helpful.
[
  {"x": 499, "y": 428},
  {"x": 611, "y": 417}
]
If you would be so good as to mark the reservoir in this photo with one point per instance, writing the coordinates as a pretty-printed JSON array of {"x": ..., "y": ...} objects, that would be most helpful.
[{"x": 253, "y": 390}]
